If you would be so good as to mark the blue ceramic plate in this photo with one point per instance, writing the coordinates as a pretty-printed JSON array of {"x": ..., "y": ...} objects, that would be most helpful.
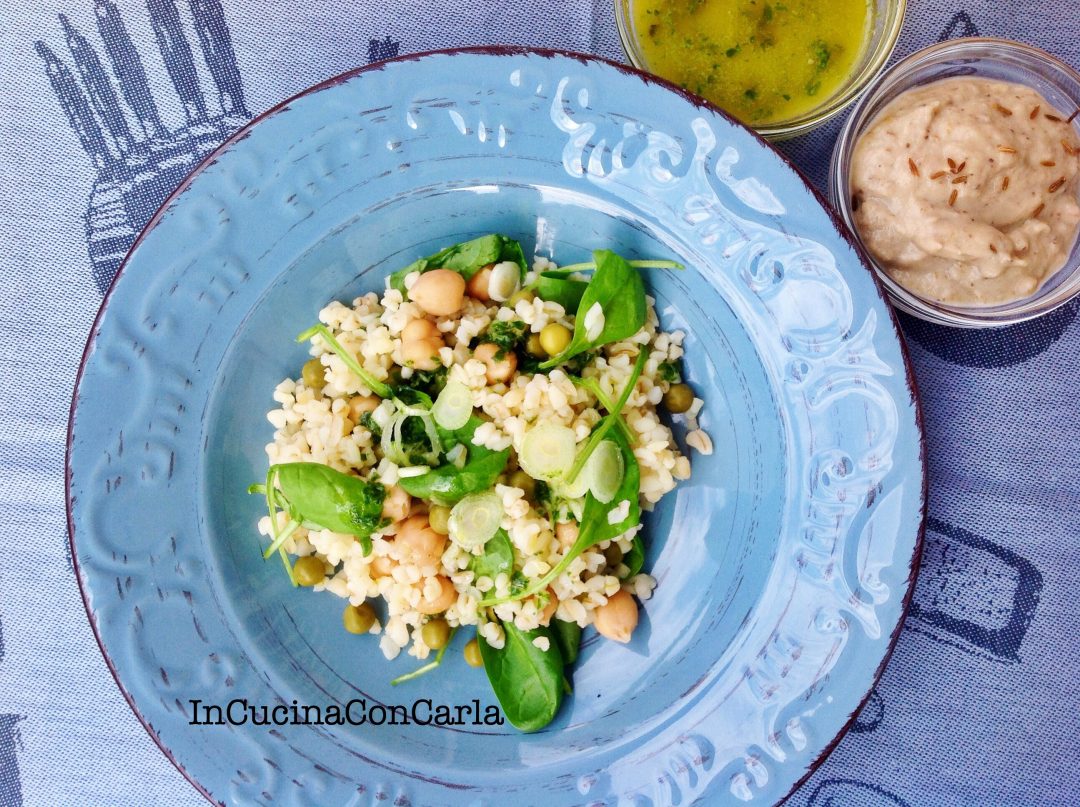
[{"x": 784, "y": 565}]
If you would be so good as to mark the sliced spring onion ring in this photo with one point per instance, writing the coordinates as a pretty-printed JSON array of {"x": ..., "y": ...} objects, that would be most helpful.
[
  {"x": 454, "y": 405},
  {"x": 548, "y": 451},
  {"x": 604, "y": 471},
  {"x": 475, "y": 519}
]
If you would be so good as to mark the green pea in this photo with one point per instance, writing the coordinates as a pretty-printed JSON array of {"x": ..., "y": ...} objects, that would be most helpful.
[
  {"x": 554, "y": 338},
  {"x": 518, "y": 296},
  {"x": 439, "y": 519},
  {"x": 520, "y": 479},
  {"x": 472, "y": 654},
  {"x": 534, "y": 348},
  {"x": 358, "y": 618},
  {"x": 679, "y": 398},
  {"x": 314, "y": 375},
  {"x": 435, "y": 633},
  {"x": 309, "y": 570}
]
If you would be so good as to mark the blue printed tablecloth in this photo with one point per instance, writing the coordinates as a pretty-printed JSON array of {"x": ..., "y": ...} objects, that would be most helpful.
[{"x": 979, "y": 704}]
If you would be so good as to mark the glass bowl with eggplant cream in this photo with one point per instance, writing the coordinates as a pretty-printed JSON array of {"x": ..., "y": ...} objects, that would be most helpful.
[{"x": 959, "y": 173}]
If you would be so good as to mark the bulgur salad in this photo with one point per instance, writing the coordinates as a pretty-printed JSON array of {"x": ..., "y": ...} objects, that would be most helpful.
[{"x": 474, "y": 447}]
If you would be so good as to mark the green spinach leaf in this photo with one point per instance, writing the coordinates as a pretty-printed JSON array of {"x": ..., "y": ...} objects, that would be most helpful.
[
  {"x": 466, "y": 258},
  {"x": 619, "y": 292},
  {"x": 448, "y": 484},
  {"x": 556, "y": 287},
  {"x": 498, "y": 557},
  {"x": 568, "y": 634},
  {"x": 317, "y": 494},
  {"x": 635, "y": 558},
  {"x": 527, "y": 681}
]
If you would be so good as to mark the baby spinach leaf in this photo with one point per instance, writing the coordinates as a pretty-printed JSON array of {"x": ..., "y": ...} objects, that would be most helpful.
[
  {"x": 594, "y": 526},
  {"x": 527, "y": 681},
  {"x": 448, "y": 484},
  {"x": 498, "y": 557},
  {"x": 557, "y": 288},
  {"x": 466, "y": 258},
  {"x": 616, "y": 287},
  {"x": 317, "y": 494},
  {"x": 568, "y": 634},
  {"x": 635, "y": 558}
]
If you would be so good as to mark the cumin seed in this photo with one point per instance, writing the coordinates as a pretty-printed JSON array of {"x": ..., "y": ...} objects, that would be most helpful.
[
  {"x": 1005, "y": 184},
  {"x": 1072, "y": 117},
  {"x": 961, "y": 179},
  {"x": 1057, "y": 183},
  {"x": 952, "y": 197},
  {"x": 912, "y": 167},
  {"x": 1069, "y": 148},
  {"x": 1034, "y": 112},
  {"x": 938, "y": 174},
  {"x": 960, "y": 167},
  {"x": 1006, "y": 149},
  {"x": 993, "y": 248},
  {"x": 952, "y": 164},
  {"x": 1048, "y": 163},
  {"x": 1006, "y": 112},
  {"x": 1038, "y": 210},
  {"x": 1054, "y": 118}
]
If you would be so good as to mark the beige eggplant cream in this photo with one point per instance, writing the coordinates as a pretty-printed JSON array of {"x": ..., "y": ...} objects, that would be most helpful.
[{"x": 965, "y": 190}]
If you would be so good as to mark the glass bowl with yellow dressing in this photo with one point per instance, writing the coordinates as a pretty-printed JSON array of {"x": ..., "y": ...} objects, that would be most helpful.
[{"x": 782, "y": 67}]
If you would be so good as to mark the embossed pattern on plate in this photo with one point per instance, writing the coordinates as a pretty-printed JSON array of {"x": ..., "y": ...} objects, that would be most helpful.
[{"x": 784, "y": 565}]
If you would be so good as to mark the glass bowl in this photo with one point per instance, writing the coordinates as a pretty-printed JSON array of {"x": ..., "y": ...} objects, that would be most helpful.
[
  {"x": 989, "y": 58},
  {"x": 888, "y": 16}
]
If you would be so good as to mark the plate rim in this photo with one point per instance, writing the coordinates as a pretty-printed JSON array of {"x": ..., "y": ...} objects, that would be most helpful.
[{"x": 914, "y": 562}]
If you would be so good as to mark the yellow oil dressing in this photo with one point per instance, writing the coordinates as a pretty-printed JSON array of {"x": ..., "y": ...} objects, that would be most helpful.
[{"x": 762, "y": 60}]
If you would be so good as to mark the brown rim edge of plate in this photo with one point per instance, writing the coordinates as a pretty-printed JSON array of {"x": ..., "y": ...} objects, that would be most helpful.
[{"x": 500, "y": 50}]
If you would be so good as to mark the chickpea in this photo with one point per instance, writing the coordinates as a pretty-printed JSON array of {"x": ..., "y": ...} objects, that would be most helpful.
[
  {"x": 417, "y": 543},
  {"x": 617, "y": 618},
  {"x": 447, "y": 596},
  {"x": 397, "y": 504},
  {"x": 554, "y": 338},
  {"x": 314, "y": 375},
  {"x": 534, "y": 348},
  {"x": 435, "y": 633},
  {"x": 309, "y": 570},
  {"x": 361, "y": 404},
  {"x": 439, "y": 519},
  {"x": 420, "y": 329},
  {"x": 551, "y": 607},
  {"x": 382, "y": 566},
  {"x": 472, "y": 654},
  {"x": 679, "y": 398},
  {"x": 422, "y": 354},
  {"x": 440, "y": 292},
  {"x": 478, "y": 284},
  {"x": 347, "y": 425},
  {"x": 358, "y": 618},
  {"x": 566, "y": 533},
  {"x": 520, "y": 479},
  {"x": 498, "y": 369}
]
